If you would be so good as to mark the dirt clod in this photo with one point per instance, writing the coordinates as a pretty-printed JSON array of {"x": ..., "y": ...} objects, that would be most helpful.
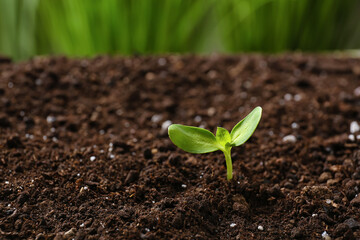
[
  {"x": 297, "y": 233},
  {"x": 325, "y": 176},
  {"x": 352, "y": 223},
  {"x": 356, "y": 201},
  {"x": 14, "y": 142}
]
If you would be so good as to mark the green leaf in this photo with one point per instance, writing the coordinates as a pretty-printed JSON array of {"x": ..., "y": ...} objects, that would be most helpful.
[
  {"x": 192, "y": 139},
  {"x": 246, "y": 127},
  {"x": 222, "y": 136}
]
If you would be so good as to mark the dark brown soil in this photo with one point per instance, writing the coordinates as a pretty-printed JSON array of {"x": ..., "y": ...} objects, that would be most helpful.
[{"x": 85, "y": 152}]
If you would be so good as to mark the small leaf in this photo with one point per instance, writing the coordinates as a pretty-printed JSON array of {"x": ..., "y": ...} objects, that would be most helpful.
[
  {"x": 222, "y": 136},
  {"x": 246, "y": 127},
  {"x": 192, "y": 139}
]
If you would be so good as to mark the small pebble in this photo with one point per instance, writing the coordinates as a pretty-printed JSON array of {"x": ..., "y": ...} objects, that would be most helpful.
[
  {"x": 197, "y": 119},
  {"x": 247, "y": 84},
  {"x": 165, "y": 125},
  {"x": 354, "y": 127},
  {"x": 150, "y": 76},
  {"x": 92, "y": 158},
  {"x": 50, "y": 119},
  {"x": 29, "y": 136},
  {"x": 325, "y": 236},
  {"x": 357, "y": 92},
  {"x": 211, "y": 111},
  {"x": 162, "y": 61},
  {"x": 119, "y": 112},
  {"x": 232, "y": 225},
  {"x": 261, "y": 228},
  {"x": 243, "y": 95},
  {"x": 38, "y": 82},
  {"x": 297, "y": 97},
  {"x": 351, "y": 137},
  {"x": 289, "y": 138},
  {"x": 183, "y": 185},
  {"x": 288, "y": 97},
  {"x": 156, "y": 118},
  {"x": 294, "y": 125}
]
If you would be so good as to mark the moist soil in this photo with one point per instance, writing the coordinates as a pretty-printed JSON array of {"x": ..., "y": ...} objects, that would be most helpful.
[{"x": 85, "y": 152}]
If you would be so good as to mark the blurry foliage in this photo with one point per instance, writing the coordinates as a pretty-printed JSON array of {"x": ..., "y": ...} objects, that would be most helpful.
[
  {"x": 278, "y": 25},
  {"x": 90, "y": 27},
  {"x": 17, "y": 28}
]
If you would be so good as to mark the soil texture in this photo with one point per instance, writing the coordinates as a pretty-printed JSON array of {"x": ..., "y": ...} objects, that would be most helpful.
[{"x": 85, "y": 152}]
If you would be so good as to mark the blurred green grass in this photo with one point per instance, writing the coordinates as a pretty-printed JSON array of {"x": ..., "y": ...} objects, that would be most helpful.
[
  {"x": 91, "y": 27},
  {"x": 278, "y": 25}
]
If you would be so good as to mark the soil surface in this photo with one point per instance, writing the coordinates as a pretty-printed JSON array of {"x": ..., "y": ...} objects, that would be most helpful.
[{"x": 85, "y": 152}]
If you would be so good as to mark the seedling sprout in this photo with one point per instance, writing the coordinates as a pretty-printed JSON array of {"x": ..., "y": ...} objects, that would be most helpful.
[{"x": 199, "y": 140}]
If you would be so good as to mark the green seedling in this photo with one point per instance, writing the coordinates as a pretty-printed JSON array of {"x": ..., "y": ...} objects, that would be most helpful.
[{"x": 199, "y": 140}]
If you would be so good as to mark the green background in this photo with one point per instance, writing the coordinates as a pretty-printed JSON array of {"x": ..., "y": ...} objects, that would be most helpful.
[{"x": 93, "y": 27}]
